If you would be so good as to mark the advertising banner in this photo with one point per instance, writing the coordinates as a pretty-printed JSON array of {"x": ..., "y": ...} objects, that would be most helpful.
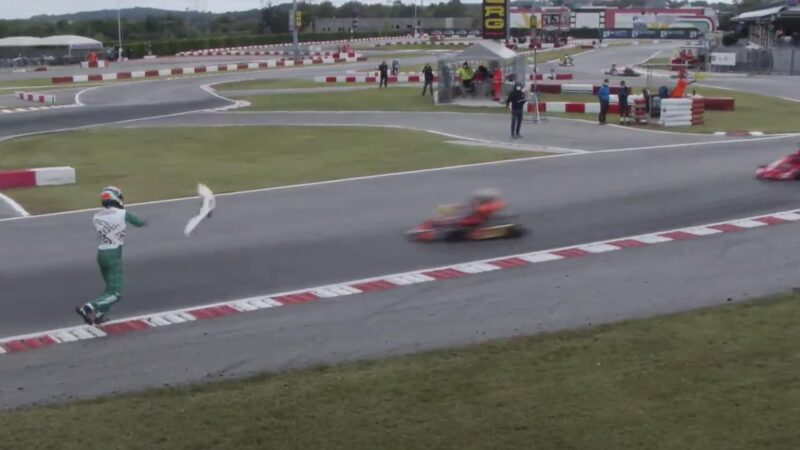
[{"x": 495, "y": 19}]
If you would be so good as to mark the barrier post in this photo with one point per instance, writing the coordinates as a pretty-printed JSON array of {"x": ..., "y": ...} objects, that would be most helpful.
[
  {"x": 640, "y": 111},
  {"x": 698, "y": 111}
]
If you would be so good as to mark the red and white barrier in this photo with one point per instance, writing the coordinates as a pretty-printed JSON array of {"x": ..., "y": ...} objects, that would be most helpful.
[
  {"x": 581, "y": 108},
  {"x": 335, "y": 55},
  {"x": 200, "y": 70},
  {"x": 339, "y": 41},
  {"x": 423, "y": 42},
  {"x": 557, "y": 76},
  {"x": 37, "y": 98},
  {"x": 93, "y": 64},
  {"x": 47, "y": 176},
  {"x": 370, "y": 79}
]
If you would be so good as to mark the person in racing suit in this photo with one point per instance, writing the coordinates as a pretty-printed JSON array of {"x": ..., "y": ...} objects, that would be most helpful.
[
  {"x": 111, "y": 223},
  {"x": 482, "y": 206}
]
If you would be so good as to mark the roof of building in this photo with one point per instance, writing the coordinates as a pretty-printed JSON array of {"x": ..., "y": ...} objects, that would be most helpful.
[
  {"x": 759, "y": 13},
  {"x": 75, "y": 42}
]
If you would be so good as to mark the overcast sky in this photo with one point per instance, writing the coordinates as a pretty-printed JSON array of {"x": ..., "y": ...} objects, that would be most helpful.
[{"x": 21, "y": 9}]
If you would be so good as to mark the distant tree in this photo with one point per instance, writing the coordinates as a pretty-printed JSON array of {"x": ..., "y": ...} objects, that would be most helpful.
[{"x": 326, "y": 9}]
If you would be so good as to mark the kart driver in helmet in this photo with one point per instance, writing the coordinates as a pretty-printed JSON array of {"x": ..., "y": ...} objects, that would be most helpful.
[{"x": 482, "y": 205}]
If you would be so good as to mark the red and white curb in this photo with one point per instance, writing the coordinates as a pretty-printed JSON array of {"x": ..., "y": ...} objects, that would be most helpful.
[
  {"x": 34, "y": 341},
  {"x": 46, "y": 176},
  {"x": 38, "y": 98},
  {"x": 738, "y": 133},
  {"x": 201, "y": 69},
  {"x": 36, "y": 108}
]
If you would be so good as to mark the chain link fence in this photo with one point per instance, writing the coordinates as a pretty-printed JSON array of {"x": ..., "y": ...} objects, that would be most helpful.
[{"x": 782, "y": 59}]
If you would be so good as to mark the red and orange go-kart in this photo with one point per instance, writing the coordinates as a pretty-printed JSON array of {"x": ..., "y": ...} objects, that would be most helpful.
[
  {"x": 444, "y": 228},
  {"x": 786, "y": 168}
]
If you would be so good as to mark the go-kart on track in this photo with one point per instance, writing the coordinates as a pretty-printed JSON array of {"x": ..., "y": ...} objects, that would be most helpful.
[{"x": 269, "y": 241}]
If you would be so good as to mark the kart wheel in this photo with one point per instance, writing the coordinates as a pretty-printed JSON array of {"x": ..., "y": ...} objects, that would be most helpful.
[
  {"x": 797, "y": 176},
  {"x": 455, "y": 236},
  {"x": 517, "y": 232}
]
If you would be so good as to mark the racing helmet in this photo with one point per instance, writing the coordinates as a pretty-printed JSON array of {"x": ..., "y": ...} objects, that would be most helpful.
[
  {"x": 485, "y": 195},
  {"x": 111, "y": 197}
]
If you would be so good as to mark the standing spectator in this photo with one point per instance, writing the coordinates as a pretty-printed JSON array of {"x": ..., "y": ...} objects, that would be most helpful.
[
  {"x": 603, "y": 94},
  {"x": 395, "y": 67},
  {"x": 624, "y": 108},
  {"x": 466, "y": 78},
  {"x": 517, "y": 100},
  {"x": 427, "y": 72},
  {"x": 384, "y": 71}
]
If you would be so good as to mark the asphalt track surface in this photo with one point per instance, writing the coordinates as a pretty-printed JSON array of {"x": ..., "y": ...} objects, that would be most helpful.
[
  {"x": 565, "y": 294},
  {"x": 275, "y": 240}
]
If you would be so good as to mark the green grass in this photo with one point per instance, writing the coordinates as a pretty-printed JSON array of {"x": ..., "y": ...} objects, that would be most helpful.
[
  {"x": 11, "y": 84},
  {"x": 717, "y": 379},
  {"x": 161, "y": 163},
  {"x": 268, "y": 84},
  {"x": 658, "y": 63},
  {"x": 543, "y": 57},
  {"x": 395, "y": 98},
  {"x": 753, "y": 112}
]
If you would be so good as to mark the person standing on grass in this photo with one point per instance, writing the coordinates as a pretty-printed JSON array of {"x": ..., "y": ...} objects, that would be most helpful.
[
  {"x": 427, "y": 72},
  {"x": 624, "y": 107},
  {"x": 384, "y": 71},
  {"x": 516, "y": 99},
  {"x": 110, "y": 223},
  {"x": 604, "y": 95}
]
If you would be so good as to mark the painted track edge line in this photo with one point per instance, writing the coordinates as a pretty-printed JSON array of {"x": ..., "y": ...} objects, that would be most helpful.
[
  {"x": 440, "y": 273},
  {"x": 14, "y": 205}
]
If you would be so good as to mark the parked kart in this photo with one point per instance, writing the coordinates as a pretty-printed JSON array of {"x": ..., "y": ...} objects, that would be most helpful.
[
  {"x": 437, "y": 229},
  {"x": 626, "y": 72},
  {"x": 786, "y": 168}
]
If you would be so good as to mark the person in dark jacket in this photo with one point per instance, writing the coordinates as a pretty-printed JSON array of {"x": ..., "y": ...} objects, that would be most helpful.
[
  {"x": 604, "y": 95},
  {"x": 427, "y": 72},
  {"x": 384, "y": 71},
  {"x": 624, "y": 107},
  {"x": 517, "y": 100}
]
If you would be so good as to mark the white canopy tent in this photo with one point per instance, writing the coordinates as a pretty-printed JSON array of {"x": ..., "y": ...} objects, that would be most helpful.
[
  {"x": 27, "y": 50},
  {"x": 488, "y": 53}
]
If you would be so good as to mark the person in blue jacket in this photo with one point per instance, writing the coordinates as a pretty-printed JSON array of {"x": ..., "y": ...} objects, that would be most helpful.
[{"x": 604, "y": 95}]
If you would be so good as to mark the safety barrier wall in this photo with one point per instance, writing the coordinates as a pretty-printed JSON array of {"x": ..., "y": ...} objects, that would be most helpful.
[
  {"x": 251, "y": 47},
  {"x": 47, "y": 176},
  {"x": 93, "y": 64},
  {"x": 200, "y": 69},
  {"x": 710, "y": 103},
  {"x": 676, "y": 112},
  {"x": 579, "y": 107},
  {"x": 38, "y": 98}
]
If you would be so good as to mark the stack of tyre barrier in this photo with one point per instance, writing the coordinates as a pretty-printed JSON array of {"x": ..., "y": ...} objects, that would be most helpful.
[
  {"x": 676, "y": 112},
  {"x": 698, "y": 111},
  {"x": 640, "y": 111}
]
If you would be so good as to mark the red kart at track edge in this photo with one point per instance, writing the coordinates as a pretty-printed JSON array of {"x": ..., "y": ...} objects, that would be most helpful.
[{"x": 786, "y": 168}]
